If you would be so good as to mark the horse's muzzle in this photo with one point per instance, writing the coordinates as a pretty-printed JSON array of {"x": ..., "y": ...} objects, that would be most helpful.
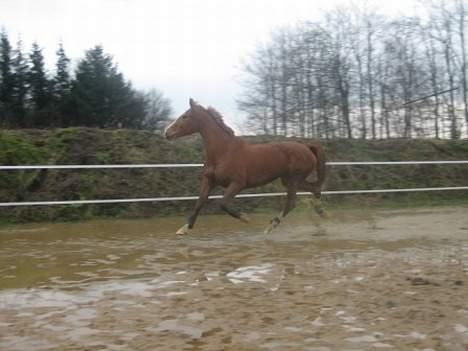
[{"x": 169, "y": 135}]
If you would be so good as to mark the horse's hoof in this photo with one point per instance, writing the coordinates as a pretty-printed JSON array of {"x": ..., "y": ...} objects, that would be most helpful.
[
  {"x": 324, "y": 214},
  {"x": 183, "y": 230},
  {"x": 269, "y": 229},
  {"x": 244, "y": 218},
  {"x": 321, "y": 212},
  {"x": 273, "y": 224}
]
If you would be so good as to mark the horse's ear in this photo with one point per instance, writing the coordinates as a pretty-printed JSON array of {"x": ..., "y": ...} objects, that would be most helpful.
[{"x": 192, "y": 103}]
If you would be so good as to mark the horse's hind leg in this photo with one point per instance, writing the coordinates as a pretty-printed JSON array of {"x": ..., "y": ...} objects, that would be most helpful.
[
  {"x": 288, "y": 206},
  {"x": 231, "y": 191},
  {"x": 315, "y": 189}
]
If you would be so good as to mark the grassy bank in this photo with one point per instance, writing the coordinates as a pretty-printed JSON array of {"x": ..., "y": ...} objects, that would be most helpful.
[{"x": 92, "y": 146}]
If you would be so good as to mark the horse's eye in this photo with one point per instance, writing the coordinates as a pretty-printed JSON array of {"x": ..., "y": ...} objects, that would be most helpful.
[{"x": 185, "y": 116}]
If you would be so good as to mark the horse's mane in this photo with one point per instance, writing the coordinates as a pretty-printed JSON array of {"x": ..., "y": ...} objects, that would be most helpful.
[{"x": 218, "y": 117}]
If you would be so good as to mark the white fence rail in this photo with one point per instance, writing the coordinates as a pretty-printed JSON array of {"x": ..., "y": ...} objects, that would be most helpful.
[
  {"x": 185, "y": 198},
  {"x": 188, "y": 165}
]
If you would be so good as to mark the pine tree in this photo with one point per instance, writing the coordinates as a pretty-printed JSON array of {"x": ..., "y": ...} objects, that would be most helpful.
[
  {"x": 61, "y": 87},
  {"x": 62, "y": 82},
  {"x": 20, "y": 86},
  {"x": 6, "y": 80},
  {"x": 40, "y": 88},
  {"x": 101, "y": 96}
]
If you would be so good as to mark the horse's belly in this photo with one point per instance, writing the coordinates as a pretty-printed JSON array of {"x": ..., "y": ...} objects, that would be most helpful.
[
  {"x": 254, "y": 182},
  {"x": 284, "y": 160},
  {"x": 224, "y": 181},
  {"x": 265, "y": 172}
]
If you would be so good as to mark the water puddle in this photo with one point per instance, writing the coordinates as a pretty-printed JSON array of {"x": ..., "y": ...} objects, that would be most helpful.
[
  {"x": 250, "y": 274},
  {"x": 123, "y": 285}
]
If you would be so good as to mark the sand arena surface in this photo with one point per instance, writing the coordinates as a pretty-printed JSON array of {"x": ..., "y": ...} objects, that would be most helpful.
[{"x": 381, "y": 280}]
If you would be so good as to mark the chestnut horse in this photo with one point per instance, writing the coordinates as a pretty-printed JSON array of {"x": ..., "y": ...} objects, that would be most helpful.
[{"x": 234, "y": 164}]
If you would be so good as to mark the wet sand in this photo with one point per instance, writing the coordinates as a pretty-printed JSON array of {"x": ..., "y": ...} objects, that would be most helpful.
[{"x": 362, "y": 280}]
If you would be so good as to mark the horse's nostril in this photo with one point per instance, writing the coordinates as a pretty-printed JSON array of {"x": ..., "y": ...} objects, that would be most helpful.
[{"x": 169, "y": 135}]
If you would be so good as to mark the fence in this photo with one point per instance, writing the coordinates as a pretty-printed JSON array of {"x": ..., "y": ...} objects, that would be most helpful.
[{"x": 191, "y": 165}]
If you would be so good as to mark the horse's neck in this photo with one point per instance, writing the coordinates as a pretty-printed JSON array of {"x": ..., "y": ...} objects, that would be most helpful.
[{"x": 216, "y": 142}]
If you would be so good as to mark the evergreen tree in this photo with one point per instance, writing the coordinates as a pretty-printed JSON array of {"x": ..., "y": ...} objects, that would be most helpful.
[
  {"x": 101, "y": 96},
  {"x": 40, "y": 88},
  {"x": 6, "y": 80},
  {"x": 20, "y": 86},
  {"x": 61, "y": 86},
  {"x": 62, "y": 76}
]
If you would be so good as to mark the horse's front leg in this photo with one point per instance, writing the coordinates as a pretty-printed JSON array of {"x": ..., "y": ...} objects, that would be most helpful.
[
  {"x": 231, "y": 191},
  {"x": 205, "y": 189}
]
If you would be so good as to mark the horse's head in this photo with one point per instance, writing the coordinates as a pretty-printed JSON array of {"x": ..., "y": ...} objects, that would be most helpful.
[{"x": 186, "y": 124}]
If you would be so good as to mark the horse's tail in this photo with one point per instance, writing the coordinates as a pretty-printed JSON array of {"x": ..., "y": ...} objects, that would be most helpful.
[{"x": 317, "y": 149}]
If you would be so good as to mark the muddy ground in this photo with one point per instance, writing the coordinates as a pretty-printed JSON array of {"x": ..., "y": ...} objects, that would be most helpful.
[{"x": 362, "y": 280}]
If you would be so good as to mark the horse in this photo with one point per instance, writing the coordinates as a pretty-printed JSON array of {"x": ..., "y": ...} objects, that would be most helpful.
[{"x": 235, "y": 164}]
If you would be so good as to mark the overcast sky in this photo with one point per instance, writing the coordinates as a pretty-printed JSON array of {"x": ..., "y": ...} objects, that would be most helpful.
[{"x": 185, "y": 48}]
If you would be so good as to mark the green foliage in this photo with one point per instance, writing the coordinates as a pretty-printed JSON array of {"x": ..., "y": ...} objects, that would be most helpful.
[
  {"x": 6, "y": 80},
  {"x": 13, "y": 151},
  {"x": 62, "y": 77},
  {"x": 20, "y": 87},
  {"x": 39, "y": 87},
  {"x": 96, "y": 95},
  {"x": 100, "y": 95},
  {"x": 61, "y": 87},
  {"x": 94, "y": 146}
]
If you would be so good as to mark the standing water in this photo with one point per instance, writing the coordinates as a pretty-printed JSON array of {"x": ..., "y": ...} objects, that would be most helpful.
[{"x": 383, "y": 279}]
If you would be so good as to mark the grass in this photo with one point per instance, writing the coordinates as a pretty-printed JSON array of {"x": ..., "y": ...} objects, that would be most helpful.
[{"x": 92, "y": 146}]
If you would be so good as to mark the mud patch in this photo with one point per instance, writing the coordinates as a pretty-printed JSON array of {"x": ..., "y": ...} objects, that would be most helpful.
[{"x": 132, "y": 285}]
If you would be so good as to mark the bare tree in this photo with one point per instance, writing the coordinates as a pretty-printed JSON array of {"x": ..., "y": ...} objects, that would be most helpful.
[
  {"x": 158, "y": 111},
  {"x": 358, "y": 74},
  {"x": 460, "y": 17}
]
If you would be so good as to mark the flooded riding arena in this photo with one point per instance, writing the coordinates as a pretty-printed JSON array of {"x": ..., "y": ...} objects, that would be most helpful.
[{"x": 386, "y": 279}]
